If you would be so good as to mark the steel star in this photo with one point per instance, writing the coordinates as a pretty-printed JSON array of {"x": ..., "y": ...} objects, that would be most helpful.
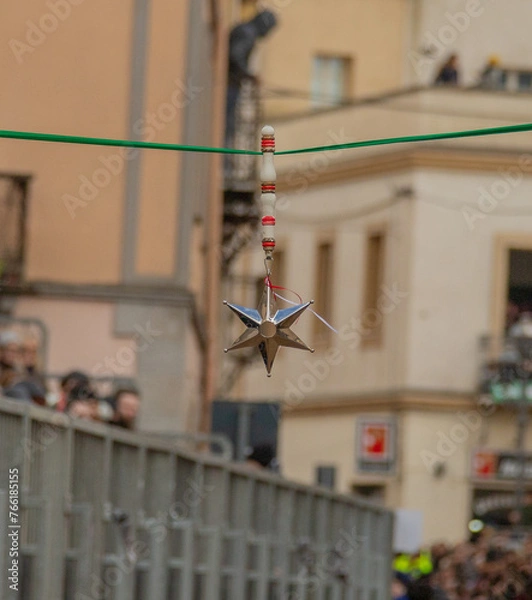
[{"x": 266, "y": 331}]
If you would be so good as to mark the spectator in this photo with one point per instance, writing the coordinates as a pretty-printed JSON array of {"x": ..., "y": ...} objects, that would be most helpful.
[
  {"x": 261, "y": 457},
  {"x": 488, "y": 568},
  {"x": 80, "y": 397},
  {"x": 30, "y": 362},
  {"x": 125, "y": 404},
  {"x": 242, "y": 40},
  {"x": 492, "y": 77},
  {"x": 83, "y": 402},
  {"x": 448, "y": 73},
  {"x": 523, "y": 326},
  {"x": 400, "y": 583},
  {"x": 27, "y": 391},
  {"x": 71, "y": 381},
  {"x": 10, "y": 364}
]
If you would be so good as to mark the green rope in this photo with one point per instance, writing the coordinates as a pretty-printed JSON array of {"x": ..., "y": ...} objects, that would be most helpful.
[
  {"x": 73, "y": 139},
  {"x": 415, "y": 138},
  {"x": 76, "y": 139}
]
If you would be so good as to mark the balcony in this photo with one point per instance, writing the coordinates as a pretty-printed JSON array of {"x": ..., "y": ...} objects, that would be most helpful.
[
  {"x": 506, "y": 370},
  {"x": 509, "y": 79}
]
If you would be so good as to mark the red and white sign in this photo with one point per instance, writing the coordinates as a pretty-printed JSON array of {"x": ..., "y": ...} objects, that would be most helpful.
[
  {"x": 375, "y": 442},
  {"x": 485, "y": 464}
]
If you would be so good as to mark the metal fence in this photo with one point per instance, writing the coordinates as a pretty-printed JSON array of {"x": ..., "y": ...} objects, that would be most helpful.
[{"x": 107, "y": 514}]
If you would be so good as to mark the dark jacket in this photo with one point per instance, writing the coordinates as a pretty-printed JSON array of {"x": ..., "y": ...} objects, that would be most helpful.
[{"x": 242, "y": 40}]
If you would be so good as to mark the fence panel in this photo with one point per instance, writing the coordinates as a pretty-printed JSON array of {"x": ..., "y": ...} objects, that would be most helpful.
[{"x": 114, "y": 515}]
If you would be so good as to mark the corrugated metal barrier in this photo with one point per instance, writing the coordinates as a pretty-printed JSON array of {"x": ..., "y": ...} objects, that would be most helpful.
[{"x": 107, "y": 514}]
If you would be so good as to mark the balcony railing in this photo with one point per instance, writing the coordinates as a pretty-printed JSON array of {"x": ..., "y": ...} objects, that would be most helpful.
[
  {"x": 506, "y": 369},
  {"x": 510, "y": 79},
  {"x": 240, "y": 170},
  {"x": 241, "y": 215}
]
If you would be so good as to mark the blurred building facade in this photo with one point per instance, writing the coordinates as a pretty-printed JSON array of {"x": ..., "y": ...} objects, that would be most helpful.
[
  {"x": 414, "y": 253},
  {"x": 112, "y": 248}
]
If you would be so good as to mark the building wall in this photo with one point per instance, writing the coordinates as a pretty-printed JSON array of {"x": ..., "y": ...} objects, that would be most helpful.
[
  {"x": 371, "y": 33},
  {"x": 88, "y": 343},
  {"x": 454, "y": 268},
  {"x": 126, "y": 230},
  {"x": 69, "y": 84},
  {"x": 59, "y": 86},
  {"x": 424, "y": 439}
]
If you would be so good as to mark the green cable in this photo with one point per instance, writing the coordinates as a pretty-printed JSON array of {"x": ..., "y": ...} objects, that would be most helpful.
[
  {"x": 72, "y": 139},
  {"x": 76, "y": 139},
  {"x": 415, "y": 138}
]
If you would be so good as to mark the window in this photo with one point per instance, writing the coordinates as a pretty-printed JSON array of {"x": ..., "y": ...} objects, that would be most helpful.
[
  {"x": 371, "y": 317},
  {"x": 13, "y": 192},
  {"x": 331, "y": 80},
  {"x": 519, "y": 296},
  {"x": 323, "y": 295},
  {"x": 326, "y": 476}
]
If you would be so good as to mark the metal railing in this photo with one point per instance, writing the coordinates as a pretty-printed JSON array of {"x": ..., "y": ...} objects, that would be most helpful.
[{"x": 110, "y": 514}]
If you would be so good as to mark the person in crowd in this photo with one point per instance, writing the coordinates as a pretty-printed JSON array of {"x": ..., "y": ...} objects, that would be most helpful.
[
  {"x": 400, "y": 583},
  {"x": 125, "y": 405},
  {"x": 80, "y": 399},
  {"x": 261, "y": 457},
  {"x": 74, "y": 380},
  {"x": 488, "y": 567},
  {"x": 30, "y": 362},
  {"x": 27, "y": 391},
  {"x": 83, "y": 401},
  {"x": 448, "y": 73},
  {"x": 242, "y": 40},
  {"x": 523, "y": 326},
  {"x": 10, "y": 361},
  {"x": 492, "y": 77}
]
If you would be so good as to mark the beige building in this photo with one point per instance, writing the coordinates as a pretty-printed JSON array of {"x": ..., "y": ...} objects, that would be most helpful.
[
  {"x": 111, "y": 248},
  {"x": 413, "y": 253},
  {"x": 322, "y": 54}
]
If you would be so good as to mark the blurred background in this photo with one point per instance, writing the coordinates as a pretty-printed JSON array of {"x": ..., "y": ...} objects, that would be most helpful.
[{"x": 114, "y": 261}]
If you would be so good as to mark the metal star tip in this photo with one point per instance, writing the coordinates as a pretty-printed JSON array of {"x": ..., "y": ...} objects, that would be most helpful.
[{"x": 266, "y": 331}]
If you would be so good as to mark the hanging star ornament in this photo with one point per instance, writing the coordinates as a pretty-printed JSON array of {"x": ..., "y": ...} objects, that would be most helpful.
[{"x": 268, "y": 328}]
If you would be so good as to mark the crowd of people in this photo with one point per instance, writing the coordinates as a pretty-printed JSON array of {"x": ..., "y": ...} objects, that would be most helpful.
[
  {"x": 492, "y": 75},
  {"x": 493, "y": 566},
  {"x": 77, "y": 395}
]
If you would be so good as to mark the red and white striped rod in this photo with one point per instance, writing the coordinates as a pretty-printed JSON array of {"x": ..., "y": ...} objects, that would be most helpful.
[{"x": 267, "y": 199}]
